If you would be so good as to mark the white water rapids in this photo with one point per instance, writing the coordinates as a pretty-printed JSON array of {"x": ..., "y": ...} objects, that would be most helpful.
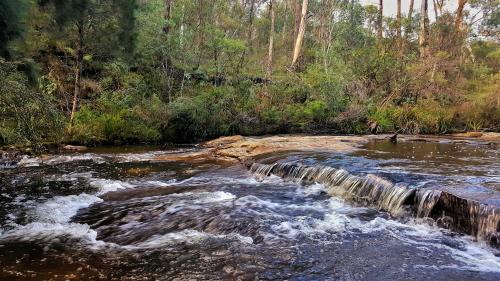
[{"x": 271, "y": 228}]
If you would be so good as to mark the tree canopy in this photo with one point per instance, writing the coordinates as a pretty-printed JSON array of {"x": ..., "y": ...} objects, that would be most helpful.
[{"x": 186, "y": 70}]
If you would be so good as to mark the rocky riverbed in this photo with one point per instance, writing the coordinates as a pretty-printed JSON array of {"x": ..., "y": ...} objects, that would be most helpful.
[{"x": 256, "y": 208}]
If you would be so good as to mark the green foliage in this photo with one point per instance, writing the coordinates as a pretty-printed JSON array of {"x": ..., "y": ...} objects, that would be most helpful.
[
  {"x": 12, "y": 13},
  {"x": 201, "y": 73},
  {"x": 26, "y": 115},
  {"x": 119, "y": 118},
  {"x": 214, "y": 112},
  {"x": 425, "y": 117}
]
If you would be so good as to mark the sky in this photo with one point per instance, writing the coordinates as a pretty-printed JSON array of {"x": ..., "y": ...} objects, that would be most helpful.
[{"x": 390, "y": 6}]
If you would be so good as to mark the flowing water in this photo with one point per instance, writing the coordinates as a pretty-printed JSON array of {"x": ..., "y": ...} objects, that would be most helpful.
[{"x": 122, "y": 214}]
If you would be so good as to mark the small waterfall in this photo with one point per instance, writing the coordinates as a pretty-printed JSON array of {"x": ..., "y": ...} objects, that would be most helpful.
[
  {"x": 449, "y": 210},
  {"x": 469, "y": 216},
  {"x": 488, "y": 222},
  {"x": 262, "y": 169},
  {"x": 368, "y": 190},
  {"x": 426, "y": 200}
]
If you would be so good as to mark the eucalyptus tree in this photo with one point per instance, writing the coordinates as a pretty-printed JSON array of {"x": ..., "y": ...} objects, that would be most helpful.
[
  {"x": 300, "y": 35},
  {"x": 88, "y": 28},
  {"x": 272, "y": 15},
  {"x": 423, "y": 38}
]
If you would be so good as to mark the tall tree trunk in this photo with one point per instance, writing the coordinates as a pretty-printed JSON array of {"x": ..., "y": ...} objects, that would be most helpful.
[
  {"x": 380, "y": 20},
  {"x": 269, "y": 69},
  {"x": 297, "y": 9},
  {"x": 167, "y": 16},
  {"x": 423, "y": 40},
  {"x": 285, "y": 20},
  {"x": 250, "y": 25},
  {"x": 300, "y": 35},
  {"x": 409, "y": 18},
  {"x": 460, "y": 14},
  {"x": 398, "y": 31},
  {"x": 249, "y": 36},
  {"x": 436, "y": 14},
  {"x": 440, "y": 4},
  {"x": 167, "y": 60},
  {"x": 324, "y": 32},
  {"x": 182, "y": 27},
  {"x": 78, "y": 69}
]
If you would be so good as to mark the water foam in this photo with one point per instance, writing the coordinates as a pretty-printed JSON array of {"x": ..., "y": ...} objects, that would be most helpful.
[
  {"x": 52, "y": 232},
  {"x": 51, "y": 219},
  {"x": 61, "y": 209},
  {"x": 96, "y": 158},
  {"x": 336, "y": 222},
  {"x": 105, "y": 185},
  {"x": 189, "y": 236},
  {"x": 474, "y": 218}
]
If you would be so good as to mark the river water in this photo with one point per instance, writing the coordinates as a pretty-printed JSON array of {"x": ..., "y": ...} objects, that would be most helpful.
[{"x": 122, "y": 214}]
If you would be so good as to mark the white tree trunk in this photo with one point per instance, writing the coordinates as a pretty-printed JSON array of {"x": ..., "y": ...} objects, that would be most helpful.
[
  {"x": 300, "y": 35},
  {"x": 78, "y": 71},
  {"x": 269, "y": 69}
]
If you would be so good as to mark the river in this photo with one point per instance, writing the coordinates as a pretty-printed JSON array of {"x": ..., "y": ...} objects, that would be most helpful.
[{"x": 126, "y": 214}]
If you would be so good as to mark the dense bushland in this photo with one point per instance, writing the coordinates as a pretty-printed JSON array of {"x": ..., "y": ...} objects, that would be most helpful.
[{"x": 126, "y": 71}]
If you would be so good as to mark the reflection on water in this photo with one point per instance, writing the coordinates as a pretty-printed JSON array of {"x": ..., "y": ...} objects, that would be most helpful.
[
  {"x": 441, "y": 164},
  {"x": 122, "y": 215}
]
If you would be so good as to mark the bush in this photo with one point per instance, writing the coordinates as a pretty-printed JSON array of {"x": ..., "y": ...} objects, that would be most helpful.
[
  {"x": 427, "y": 117},
  {"x": 118, "y": 118},
  {"x": 216, "y": 111},
  {"x": 26, "y": 116}
]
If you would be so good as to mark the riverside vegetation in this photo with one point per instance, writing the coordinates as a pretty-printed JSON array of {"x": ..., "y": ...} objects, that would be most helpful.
[{"x": 149, "y": 71}]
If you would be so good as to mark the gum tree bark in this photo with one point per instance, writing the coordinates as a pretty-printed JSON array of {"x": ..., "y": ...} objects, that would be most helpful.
[
  {"x": 398, "y": 31},
  {"x": 269, "y": 69},
  {"x": 423, "y": 38},
  {"x": 300, "y": 35},
  {"x": 380, "y": 20},
  {"x": 78, "y": 70},
  {"x": 460, "y": 14},
  {"x": 409, "y": 19}
]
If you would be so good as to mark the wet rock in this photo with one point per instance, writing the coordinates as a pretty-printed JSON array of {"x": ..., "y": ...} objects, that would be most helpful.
[
  {"x": 467, "y": 216},
  {"x": 9, "y": 159},
  {"x": 244, "y": 148},
  {"x": 485, "y": 136},
  {"x": 75, "y": 148},
  {"x": 138, "y": 171}
]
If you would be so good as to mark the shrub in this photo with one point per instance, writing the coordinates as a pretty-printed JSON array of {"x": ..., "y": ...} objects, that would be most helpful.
[
  {"x": 118, "y": 118},
  {"x": 26, "y": 115}
]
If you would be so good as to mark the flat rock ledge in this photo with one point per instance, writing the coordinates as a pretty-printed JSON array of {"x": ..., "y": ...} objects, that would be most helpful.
[
  {"x": 241, "y": 149},
  {"x": 246, "y": 149}
]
